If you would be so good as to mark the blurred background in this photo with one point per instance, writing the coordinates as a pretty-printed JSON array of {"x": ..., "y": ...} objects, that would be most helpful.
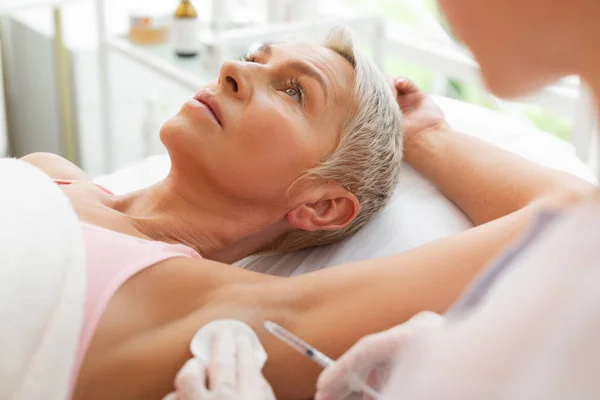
[{"x": 93, "y": 80}]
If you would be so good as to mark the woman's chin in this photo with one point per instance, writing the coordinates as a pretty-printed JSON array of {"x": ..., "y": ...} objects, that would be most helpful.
[{"x": 180, "y": 132}]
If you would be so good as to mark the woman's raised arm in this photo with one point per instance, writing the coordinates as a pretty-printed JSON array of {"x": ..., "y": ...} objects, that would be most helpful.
[{"x": 484, "y": 181}]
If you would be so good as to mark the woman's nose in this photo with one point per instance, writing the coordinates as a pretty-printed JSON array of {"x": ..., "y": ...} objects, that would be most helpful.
[{"x": 234, "y": 79}]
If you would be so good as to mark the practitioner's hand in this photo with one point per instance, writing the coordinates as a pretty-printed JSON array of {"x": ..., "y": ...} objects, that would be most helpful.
[
  {"x": 233, "y": 374},
  {"x": 371, "y": 359},
  {"x": 420, "y": 113}
]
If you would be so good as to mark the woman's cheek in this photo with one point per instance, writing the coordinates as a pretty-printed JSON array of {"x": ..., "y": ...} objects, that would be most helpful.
[{"x": 269, "y": 128}]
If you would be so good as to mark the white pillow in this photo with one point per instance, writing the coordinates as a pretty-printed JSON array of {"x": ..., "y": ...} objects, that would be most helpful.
[{"x": 417, "y": 213}]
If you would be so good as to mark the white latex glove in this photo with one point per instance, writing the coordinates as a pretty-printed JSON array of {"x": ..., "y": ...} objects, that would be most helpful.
[
  {"x": 371, "y": 358},
  {"x": 233, "y": 374}
]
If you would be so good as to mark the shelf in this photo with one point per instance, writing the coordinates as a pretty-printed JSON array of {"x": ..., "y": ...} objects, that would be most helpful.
[
  {"x": 188, "y": 73},
  {"x": 195, "y": 72}
]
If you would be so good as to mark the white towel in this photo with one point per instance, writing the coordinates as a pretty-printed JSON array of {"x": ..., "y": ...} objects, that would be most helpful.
[{"x": 42, "y": 283}]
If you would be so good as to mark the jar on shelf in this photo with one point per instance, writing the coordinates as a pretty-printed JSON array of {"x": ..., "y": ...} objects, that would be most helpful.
[{"x": 147, "y": 28}]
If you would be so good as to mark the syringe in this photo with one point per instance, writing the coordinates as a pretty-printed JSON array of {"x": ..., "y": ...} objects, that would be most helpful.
[
  {"x": 299, "y": 344},
  {"x": 312, "y": 353}
]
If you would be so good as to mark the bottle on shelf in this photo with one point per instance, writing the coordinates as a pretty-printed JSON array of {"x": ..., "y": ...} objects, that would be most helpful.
[{"x": 185, "y": 34}]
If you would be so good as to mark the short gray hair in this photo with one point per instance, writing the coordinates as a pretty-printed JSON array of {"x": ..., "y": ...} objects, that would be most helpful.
[{"x": 367, "y": 159}]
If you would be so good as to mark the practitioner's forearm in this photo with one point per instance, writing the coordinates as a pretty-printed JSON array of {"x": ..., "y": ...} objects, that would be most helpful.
[{"x": 485, "y": 181}]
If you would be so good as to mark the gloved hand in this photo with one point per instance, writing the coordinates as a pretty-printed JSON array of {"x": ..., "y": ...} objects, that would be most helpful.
[
  {"x": 233, "y": 374},
  {"x": 371, "y": 359}
]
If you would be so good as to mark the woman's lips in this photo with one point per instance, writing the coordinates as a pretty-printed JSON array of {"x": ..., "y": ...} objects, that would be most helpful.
[{"x": 208, "y": 104}]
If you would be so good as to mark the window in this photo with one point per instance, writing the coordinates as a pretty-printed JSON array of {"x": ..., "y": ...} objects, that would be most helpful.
[{"x": 425, "y": 19}]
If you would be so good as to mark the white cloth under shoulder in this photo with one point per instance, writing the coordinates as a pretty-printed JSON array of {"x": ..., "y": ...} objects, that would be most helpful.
[
  {"x": 42, "y": 280},
  {"x": 533, "y": 336}
]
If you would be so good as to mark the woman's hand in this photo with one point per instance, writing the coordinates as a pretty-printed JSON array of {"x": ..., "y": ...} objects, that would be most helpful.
[
  {"x": 420, "y": 113},
  {"x": 233, "y": 374},
  {"x": 372, "y": 358}
]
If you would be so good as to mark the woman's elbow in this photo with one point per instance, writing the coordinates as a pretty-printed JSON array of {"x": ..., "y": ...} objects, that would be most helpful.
[{"x": 567, "y": 195}]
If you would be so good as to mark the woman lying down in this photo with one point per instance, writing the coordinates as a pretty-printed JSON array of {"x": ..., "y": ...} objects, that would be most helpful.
[{"x": 299, "y": 145}]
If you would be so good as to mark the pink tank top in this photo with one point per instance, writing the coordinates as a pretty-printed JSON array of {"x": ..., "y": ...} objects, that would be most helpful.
[{"x": 112, "y": 258}]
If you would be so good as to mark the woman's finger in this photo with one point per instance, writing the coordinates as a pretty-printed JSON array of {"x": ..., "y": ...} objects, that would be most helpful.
[{"x": 405, "y": 86}]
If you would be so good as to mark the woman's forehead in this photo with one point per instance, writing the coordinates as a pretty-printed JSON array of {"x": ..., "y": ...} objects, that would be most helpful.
[{"x": 312, "y": 51}]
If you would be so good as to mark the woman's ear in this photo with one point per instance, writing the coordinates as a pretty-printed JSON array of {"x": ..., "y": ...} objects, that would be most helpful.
[{"x": 333, "y": 210}]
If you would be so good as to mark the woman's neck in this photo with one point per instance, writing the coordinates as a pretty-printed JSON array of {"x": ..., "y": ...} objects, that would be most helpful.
[{"x": 217, "y": 230}]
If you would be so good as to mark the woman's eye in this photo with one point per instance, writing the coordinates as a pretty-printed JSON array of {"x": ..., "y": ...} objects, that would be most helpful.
[{"x": 294, "y": 93}]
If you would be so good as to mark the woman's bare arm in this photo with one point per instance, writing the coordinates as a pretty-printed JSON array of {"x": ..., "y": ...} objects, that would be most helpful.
[{"x": 484, "y": 181}]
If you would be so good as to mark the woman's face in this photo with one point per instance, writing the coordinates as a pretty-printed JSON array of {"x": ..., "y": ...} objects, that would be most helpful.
[
  {"x": 263, "y": 123},
  {"x": 521, "y": 45}
]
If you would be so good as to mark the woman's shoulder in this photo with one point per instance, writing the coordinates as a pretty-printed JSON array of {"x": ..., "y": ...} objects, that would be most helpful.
[{"x": 56, "y": 166}]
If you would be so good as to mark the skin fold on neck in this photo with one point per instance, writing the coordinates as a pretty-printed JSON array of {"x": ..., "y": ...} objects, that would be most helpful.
[{"x": 218, "y": 231}]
